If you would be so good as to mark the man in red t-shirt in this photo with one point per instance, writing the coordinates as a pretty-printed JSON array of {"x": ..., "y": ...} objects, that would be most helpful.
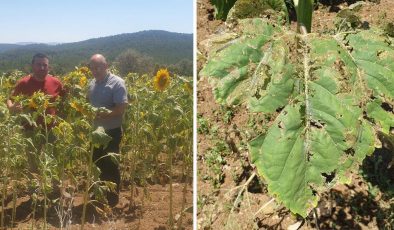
[{"x": 39, "y": 80}]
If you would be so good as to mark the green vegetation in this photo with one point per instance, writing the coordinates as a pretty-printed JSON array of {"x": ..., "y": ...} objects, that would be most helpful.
[
  {"x": 54, "y": 166},
  {"x": 164, "y": 48}
]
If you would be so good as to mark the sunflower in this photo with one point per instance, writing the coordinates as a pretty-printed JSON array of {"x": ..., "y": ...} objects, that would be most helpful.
[
  {"x": 76, "y": 106},
  {"x": 82, "y": 81},
  {"x": 84, "y": 70},
  {"x": 46, "y": 103},
  {"x": 188, "y": 87},
  {"x": 161, "y": 80},
  {"x": 32, "y": 104}
]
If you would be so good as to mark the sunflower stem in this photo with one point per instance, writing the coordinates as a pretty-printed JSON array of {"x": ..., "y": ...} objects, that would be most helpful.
[{"x": 304, "y": 9}]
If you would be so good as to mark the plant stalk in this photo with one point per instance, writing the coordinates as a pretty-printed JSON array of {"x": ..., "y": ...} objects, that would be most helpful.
[
  {"x": 13, "y": 204},
  {"x": 45, "y": 169},
  {"x": 3, "y": 202},
  {"x": 304, "y": 9},
  {"x": 184, "y": 191},
  {"x": 171, "y": 220},
  {"x": 88, "y": 182}
]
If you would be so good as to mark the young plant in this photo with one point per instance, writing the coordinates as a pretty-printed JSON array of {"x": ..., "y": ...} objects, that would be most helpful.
[
  {"x": 12, "y": 160},
  {"x": 329, "y": 97},
  {"x": 38, "y": 105},
  {"x": 97, "y": 138}
]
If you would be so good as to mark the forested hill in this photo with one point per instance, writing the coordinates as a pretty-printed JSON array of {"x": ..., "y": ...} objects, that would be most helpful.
[
  {"x": 5, "y": 47},
  {"x": 165, "y": 48}
]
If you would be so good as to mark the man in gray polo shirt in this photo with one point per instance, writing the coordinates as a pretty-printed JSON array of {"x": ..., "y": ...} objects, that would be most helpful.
[{"x": 109, "y": 91}]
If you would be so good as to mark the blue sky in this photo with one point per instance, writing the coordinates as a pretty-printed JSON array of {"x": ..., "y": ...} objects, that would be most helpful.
[{"x": 77, "y": 20}]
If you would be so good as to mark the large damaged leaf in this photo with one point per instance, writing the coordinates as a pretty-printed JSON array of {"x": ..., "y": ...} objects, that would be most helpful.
[
  {"x": 100, "y": 138},
  {"x": 328, "y": 97}
]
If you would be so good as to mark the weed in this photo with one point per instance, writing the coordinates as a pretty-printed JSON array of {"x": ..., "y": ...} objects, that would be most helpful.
[
  {"x": 203, "y": 125},
  {"x": 214, "y": 160}
]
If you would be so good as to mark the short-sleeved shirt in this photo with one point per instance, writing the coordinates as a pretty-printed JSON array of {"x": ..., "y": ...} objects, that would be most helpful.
[
  {"x": 51, "y": 85},
  {"x": 108, "y": 93}
]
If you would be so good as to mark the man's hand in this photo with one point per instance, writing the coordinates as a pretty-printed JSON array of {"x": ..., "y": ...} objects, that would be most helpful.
[
  {"x": 14, "y": 107},
  {"x": 102, "y": 115},
  {"x": 115, "y": 111}
]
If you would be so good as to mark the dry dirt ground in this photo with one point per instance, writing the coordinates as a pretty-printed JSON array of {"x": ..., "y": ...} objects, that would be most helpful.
[
  {"x": 224, "y": 165},
  {"x": 150, "y": 211}
]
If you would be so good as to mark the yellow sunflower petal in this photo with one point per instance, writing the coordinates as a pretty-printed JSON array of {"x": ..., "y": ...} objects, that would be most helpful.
[{"x": 161, "y": 80}]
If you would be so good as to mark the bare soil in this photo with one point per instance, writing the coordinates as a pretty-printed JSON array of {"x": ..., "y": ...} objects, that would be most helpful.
[
  {"x": 148, "y": 211},
  {"x": 224, "y": 166}
]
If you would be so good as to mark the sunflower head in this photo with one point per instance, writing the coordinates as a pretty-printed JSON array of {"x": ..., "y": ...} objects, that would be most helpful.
[
  {"x": 77, "y": 106},
  {"x": 84, "y": 70},
  {"x": 188, "y": 87},
  {"x": 39, "y": 101},
  {"x": 82, "y": 81},
  {"x": 32, "y": 104},
  {"x": 161, "y": 80}
]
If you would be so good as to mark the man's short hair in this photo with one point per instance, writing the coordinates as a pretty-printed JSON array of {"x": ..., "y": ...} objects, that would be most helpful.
[{"x": 38, "y": 55}]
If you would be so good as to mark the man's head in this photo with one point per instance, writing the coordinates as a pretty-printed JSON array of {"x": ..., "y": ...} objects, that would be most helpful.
[
  {"x": 98, "y": 66},
  {"x": 40, "y": 65}
]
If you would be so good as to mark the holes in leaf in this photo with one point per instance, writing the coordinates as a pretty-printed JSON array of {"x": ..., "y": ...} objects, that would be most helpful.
[
  {"x": 387, "y": 107},
  {"x": 278, "y": 110},
  {"x": 381, "y": 54},
  {"x": 329, "y": 177},
  {"x": 339, "y": 65},
  {"x": 257, "y": 94},
  {"x": 317, "y": 124},
  {"x": 314, "y": 192},
  {"x": 365, "y": 116},
  {"x": 350, "y": 151}
]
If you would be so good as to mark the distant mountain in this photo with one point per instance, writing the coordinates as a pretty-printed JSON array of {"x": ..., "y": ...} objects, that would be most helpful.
[
  {"x": 5, "y": 47},
  {"x": 26, "y": 43},
  {"x": 166, "y": 48}
]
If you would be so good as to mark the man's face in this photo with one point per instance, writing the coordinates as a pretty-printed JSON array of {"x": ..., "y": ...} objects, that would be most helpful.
[
  {"x": 99, "y": 70},
  {"x": 40, "y": 67}
]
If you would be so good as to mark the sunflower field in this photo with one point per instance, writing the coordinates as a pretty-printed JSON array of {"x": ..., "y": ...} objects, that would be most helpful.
[{"x": 49, "y": 179}]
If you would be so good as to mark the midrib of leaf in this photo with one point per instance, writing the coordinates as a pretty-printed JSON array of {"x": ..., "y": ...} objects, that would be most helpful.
[{"x": 308, "y": 114}]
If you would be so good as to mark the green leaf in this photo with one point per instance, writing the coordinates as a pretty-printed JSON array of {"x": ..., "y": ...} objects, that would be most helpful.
[
  {"x": 328, "y": 97},
  {"x": 99, "y": 137},
  {"x": 381, "y": 116}
]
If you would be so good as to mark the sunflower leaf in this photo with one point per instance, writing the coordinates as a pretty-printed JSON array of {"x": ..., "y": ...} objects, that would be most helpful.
[
  {"x": 100, "y": 138},
  {"x": 327, "y": 97}
]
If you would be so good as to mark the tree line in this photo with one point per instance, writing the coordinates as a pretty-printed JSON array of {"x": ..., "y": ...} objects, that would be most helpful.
[{"x": 135, "y": 52}]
